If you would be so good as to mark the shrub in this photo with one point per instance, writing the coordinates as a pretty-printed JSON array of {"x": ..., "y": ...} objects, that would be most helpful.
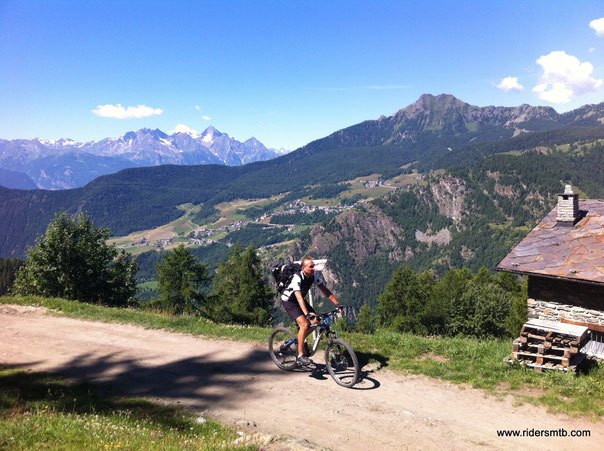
[
  {"x": 73, "y": 261},
  {"x": 366, "y": 320},
  {"x": 482, "y": 310}
]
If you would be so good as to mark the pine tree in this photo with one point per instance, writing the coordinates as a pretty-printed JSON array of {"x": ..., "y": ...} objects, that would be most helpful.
[
  {"x": 8, "y": 270},
  {"x": 240, "y": 294},
  {"x": 390, "y": 303},
  {"x": 182, "y": 282},
  {"x": 366, "y": 320},
  {"x": 444, "y": 294},
  {"x": 398, "y": 305}
]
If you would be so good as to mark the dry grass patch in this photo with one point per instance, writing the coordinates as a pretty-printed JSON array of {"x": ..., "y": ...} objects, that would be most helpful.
[
  {"x": 228, "y": 210},
  {"x": 435, "y": 357}
]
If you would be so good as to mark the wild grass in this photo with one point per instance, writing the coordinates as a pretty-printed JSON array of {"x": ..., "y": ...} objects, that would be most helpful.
[
  {"x": 147, "y": 319},
  {"x": 41, "y": 411},
  {"x": 479, "y": 364},
  {"x": 467, "y": 361}
]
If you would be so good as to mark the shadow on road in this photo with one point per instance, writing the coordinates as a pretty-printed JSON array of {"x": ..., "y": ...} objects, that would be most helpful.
[
  {"x": 18, "y": 366},
  {"x": 366, "y": 382},
  {"x": 319, "y": 371},
  {"x": 199, "y": 380},
  {"x": 25, "y": 391},
  {"x": 366, "y": 358}
]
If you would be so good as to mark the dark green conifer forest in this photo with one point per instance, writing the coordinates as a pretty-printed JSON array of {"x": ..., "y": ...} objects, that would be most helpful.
[
  {"x": 8, "y": 270},
  {"x": 481, "y": 186}
]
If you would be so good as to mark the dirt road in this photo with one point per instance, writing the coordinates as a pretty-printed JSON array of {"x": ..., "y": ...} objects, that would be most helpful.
[{"x": 233, "y": 382}]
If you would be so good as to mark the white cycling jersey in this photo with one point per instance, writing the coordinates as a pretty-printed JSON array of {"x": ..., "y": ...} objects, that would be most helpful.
[{"x": 300, "y": 283}]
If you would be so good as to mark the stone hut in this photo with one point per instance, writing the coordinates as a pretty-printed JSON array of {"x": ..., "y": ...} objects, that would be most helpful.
[{"x": 563, "y": 258}]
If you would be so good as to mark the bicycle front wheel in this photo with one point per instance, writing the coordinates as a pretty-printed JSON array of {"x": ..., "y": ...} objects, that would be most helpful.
[
  {"x": 342, "y": 363},
  {"x": 283, "y": 348}
]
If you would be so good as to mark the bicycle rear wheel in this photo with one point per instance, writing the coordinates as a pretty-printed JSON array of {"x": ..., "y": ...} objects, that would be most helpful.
[
  {"x": 283, "y": 348},
  {"x": 342, "y": 363}
]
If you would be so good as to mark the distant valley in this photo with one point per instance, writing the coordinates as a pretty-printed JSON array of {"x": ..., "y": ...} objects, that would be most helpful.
[
  {"x": 439, "y": 184},
  {"x": 64, "y": 163}
]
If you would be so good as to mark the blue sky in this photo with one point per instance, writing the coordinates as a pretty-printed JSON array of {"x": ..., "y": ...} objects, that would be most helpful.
[{"x": 286, "y": 72}]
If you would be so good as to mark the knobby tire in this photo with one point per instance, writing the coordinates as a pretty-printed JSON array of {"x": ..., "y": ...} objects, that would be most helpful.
[
  {"x": 342, "y": 363},
  {"x": 283, "y": 358}
]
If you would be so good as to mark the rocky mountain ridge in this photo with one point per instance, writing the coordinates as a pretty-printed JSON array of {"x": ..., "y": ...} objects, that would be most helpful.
[
  {"x": 432, "y": 117},
  {"x": 145, "y": 198},
  {"x": 64, "y": 163}
]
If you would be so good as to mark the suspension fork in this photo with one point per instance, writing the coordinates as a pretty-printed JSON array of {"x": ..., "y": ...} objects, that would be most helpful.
[{"x": 318, "y": 335}]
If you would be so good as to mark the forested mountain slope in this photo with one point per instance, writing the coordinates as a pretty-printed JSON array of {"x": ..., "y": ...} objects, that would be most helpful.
[
  {"x": 463, "y": 216},
  {"x": 15, "y": 180},
  {"x": 466, "y": 210}
]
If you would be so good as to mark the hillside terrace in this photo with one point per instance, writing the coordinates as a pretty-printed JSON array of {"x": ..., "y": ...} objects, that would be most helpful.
[{"x": 170, "y": 235}]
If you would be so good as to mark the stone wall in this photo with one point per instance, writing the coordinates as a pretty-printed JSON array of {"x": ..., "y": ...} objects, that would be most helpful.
[{"x": 553, "y": 299}]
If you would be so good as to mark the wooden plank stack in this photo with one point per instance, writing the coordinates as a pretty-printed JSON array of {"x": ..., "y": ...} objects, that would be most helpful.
[{"x": 547, "y": 345}]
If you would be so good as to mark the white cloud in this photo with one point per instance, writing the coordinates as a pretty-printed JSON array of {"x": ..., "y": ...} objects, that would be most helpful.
[
  {"x": 598, "y": 25},
  {"x": 119, "y": 112},
  {"x": 564, "y": 77},
  {"x": 592, "y": 49},
  {"x": 181, "y": 128},
  {"x": 510, "y": 84},
  {"x": 204, "y": 117}
]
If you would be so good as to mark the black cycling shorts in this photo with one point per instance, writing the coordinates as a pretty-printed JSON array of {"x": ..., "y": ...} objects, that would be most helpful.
[{"x": 293, "y": 309}]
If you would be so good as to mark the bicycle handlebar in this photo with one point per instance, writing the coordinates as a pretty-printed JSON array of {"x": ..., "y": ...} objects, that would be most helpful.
[{"x": 324, "y": 316}]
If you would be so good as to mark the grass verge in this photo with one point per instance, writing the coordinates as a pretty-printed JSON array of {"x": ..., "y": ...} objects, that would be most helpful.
[
  {"x": 41, "y": 411},
  {"x": 477, "y": 363},
  {"x": 149, "y": 320}
]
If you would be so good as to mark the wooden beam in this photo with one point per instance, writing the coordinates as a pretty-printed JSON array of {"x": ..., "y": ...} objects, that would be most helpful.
[
  {"x": 572, "y": 330},
  {"x": 590, "y": 326}
]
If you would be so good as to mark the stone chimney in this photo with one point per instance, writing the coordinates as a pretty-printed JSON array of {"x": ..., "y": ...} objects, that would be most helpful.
[{"x": 568, "y": 207}]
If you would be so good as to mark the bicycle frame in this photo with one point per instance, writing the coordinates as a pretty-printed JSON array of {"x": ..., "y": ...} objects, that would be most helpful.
[
  {"x": 320, "y": 330},
  {"x": 341, "y": 361}
]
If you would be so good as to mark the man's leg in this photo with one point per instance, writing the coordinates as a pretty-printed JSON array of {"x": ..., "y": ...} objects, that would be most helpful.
[{"x": 304, "y": 331}]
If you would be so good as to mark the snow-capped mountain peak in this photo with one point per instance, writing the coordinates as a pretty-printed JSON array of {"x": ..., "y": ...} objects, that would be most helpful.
[
  {"x": 209, "y": 135},
  {"x": 253, "y": 142},
  {"x": 181, "y": 128},
  {"x": 281, "y": 151},
  {"x": 56, "y": 142},
  {"x": 64, "y": 163}
]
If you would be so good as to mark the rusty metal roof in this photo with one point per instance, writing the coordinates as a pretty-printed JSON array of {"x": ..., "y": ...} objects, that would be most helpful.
[{"x": 563, "y": 251}]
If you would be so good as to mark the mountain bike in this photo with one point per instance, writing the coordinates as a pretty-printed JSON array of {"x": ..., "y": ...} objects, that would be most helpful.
[{"x": 340, "y": 359}]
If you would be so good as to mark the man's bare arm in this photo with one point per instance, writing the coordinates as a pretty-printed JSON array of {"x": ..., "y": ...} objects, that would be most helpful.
[{"x": 328, "y": 294}]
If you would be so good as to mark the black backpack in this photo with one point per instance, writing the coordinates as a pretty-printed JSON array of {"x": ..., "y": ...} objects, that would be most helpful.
[{"x": 283, "y": 275}]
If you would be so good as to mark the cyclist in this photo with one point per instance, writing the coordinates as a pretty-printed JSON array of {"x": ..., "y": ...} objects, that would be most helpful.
[{"x": 296, "y": 306}]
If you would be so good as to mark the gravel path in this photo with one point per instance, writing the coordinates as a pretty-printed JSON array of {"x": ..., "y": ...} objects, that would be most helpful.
[{"x": 236, "y": 383}]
